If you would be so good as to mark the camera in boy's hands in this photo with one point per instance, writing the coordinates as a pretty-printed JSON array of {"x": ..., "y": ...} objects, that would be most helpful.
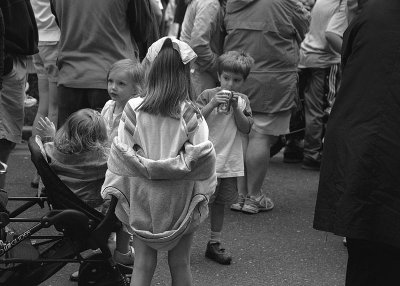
[{"x": 225, "y": 107}]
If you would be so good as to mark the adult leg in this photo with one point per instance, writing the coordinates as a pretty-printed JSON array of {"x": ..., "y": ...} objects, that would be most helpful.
[
  {"x": 314, "y": 113},
  {"x": 5, "y": 150},
  {"x": 145, "y": 263},
  {"x": 43, "y": 108},
  {"x": 12, "y": 109},
  {"x": 257, "y": 160},
  {"x": 179, "y": 262},
  {"x": 53, "y": 103},
  {"x": 242, "y": 181}
]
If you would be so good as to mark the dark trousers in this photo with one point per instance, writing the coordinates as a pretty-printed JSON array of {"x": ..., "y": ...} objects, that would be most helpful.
[
  {"x": 372, "y": 264},
  {"x": 73, "y": 99}
]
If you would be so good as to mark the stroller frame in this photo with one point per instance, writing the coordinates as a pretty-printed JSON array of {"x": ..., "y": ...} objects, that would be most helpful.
[{"x": 82, "y": 228}]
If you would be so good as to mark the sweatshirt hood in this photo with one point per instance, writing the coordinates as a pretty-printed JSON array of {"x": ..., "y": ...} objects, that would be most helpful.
[{"x": 233, "y": 6}]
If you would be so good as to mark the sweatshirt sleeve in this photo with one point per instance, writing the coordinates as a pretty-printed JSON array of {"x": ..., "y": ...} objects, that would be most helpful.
[
  {"x": 300, "y": 19},
  {"x": 206, "y": 17}
]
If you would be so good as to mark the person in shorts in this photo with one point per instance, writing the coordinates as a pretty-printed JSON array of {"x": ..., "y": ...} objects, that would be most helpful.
[
  {"x": 271, "y": 32},
  {"x": 20, "y": 41}
]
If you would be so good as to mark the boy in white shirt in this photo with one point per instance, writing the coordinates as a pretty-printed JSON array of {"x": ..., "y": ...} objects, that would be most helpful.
[{"x": 228, "y": 114}]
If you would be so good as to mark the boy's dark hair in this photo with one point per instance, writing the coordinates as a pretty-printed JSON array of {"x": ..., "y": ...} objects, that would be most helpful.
[{"x": 236, "y": 62}]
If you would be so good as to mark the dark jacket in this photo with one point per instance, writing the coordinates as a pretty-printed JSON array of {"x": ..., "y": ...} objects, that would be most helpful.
[
  {"x": 21, "y": 35},
  {"x": 271, "y": 32},
  {"x": 359, "y": 189}
]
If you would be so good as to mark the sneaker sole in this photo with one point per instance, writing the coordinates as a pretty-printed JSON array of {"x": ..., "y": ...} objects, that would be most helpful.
[
  {"x": 236, "y": 209},
  {"x": 254, "y": 211}
]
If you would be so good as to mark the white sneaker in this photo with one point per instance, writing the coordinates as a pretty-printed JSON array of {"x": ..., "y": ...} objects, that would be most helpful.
[{"x": 254, "y": 205}]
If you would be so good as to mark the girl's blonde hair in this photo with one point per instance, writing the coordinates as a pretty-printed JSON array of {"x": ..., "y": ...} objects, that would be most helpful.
[
  {"x": 168, "y": 83},
  {"x": 84, "y": 130},
  {"x": 134, "y": 70}
]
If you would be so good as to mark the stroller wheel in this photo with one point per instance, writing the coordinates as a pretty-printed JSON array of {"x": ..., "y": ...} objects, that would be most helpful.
[{"x": 100, "y": 273}]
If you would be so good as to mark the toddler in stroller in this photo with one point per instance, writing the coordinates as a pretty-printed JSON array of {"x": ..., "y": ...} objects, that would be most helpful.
[{"x": 82, "y": 228}]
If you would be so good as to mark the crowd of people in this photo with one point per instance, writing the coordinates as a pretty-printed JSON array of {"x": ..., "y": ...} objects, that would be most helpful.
[{"x": 217, "y": 82}]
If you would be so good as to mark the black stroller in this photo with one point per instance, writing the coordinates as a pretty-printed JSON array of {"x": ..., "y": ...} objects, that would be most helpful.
[{"x": 81, "y": 227}]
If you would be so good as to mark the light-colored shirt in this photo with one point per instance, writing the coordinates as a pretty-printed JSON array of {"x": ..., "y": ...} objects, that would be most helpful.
[
  {"x": 326, "y": 16},
  {"x": 94, "y": 35},
  {"x": 225, "y": 135},
  {"x": 45, "y": 20},
  {"x": 201, "y": 29}
]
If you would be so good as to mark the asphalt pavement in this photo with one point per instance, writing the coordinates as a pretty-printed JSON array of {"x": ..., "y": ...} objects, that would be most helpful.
[{"x": 275, "y": 248}]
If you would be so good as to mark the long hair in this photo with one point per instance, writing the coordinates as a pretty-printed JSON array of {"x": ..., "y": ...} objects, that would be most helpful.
[
  {"x": 168, "y": 83},
  {"x": 84, "y": 130}
]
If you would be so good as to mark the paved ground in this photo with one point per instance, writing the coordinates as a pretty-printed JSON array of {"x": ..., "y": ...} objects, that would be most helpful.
[{"x": 277, "y": 248}]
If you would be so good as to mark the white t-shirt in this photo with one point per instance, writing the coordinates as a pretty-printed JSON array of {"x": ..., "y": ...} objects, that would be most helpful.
[
  {"x": 225, "y": 136},
  {"x": 326, "y": 16}
]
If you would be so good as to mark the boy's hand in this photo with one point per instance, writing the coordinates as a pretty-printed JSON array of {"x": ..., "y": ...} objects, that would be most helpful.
[
  {"x": 234, "y": 100},
  {"x": 46, "y": 128},
  {"x": 220, "y": 97}
]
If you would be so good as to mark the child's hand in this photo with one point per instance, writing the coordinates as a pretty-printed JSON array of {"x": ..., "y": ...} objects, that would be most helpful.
[
  {"x": 221, "y": 97},
  {"x": 46, "y": 128},
  {"x": 234, "y": 100}
]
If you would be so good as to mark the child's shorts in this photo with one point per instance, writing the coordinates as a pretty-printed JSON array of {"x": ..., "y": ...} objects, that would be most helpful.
[{"x": 226, "y": 191}]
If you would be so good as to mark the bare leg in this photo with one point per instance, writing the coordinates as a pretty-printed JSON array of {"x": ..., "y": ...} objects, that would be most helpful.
[
  {"x": 145, "y": 263},
  {"x": 122, "y": 241},
  {"x": 257, "y": 160},
  {"x": 53, "y": 106},
  {"x": 179, "y": 262},
  {"x": 5, "y": 151},
  {"x": 43, "y": 86},
  {"x": 242, "y": 181}
]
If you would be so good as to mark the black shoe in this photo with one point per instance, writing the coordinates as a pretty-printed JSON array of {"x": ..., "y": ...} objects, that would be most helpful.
[
  {"x": 216, "y": 253},
  {"x": 310, "y": 164}
]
